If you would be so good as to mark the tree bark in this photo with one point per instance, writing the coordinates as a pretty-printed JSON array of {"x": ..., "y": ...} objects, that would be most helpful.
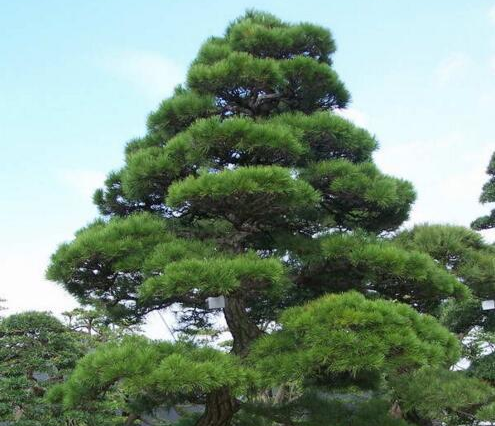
[
  {"x": 131, "y": 418},
  {"x": 220, "y": 404},
  {"x": 280, "y": 395},
  {"x": 413, "y": 417},
  {"x": 18, "y": 413},
  {"x": 242, "y": 328},
  {"x": 220, "y": 408},
  {"x": 395, "y": 411}
]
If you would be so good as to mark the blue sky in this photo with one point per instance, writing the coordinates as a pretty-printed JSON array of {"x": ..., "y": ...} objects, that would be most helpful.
[{"x": 77, "y": 80}]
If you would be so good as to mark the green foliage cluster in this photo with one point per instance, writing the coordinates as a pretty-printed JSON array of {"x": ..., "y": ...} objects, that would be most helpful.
[
  {"x": 484, "y": 368},
  {"x": 350, "y": 334},
  {"x": 151, "y": 374},
  {"x": 316, "y": 409},
  {"x": 459, "y": 249},
  {"x": 110, "y": 255},
  {"x": 357, "y": 261},
  {"x": 216, "y": 276},
  {"x": 441, "y": 394},
  {"x": 463, "y": 253},
  {"x": 359, "y": 196}
]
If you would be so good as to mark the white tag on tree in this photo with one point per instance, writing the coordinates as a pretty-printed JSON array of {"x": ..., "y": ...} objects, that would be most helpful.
[
  {"x": 486, "y": 305},
  {"x": 216, "y": 302}
]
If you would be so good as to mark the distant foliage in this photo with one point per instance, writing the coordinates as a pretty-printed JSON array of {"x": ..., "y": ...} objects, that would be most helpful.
[
  {"x": 36, "y": 352},
  {"x": 487, "y": 196}
]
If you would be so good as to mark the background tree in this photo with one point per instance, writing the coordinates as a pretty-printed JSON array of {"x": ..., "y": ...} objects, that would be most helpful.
[
  {"x": 487, "y": 196},
  {"x": 36, "y": 352},
  {"x": 465, "y": 254},
  {"x": 96, "y": 324},
  {"x": 248, "y": 186}
]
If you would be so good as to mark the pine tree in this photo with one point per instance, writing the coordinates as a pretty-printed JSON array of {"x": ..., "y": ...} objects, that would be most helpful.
[
  {"x": 96, "y": 324},
  {"x": 248, "y": 186},
  {"x": 465, "y": 254},
  {"x": 487, "y": 196},
  {"x": 36, "y": 352}
]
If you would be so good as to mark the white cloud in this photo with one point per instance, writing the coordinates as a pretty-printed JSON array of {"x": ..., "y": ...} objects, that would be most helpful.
[
  {"x": 357, "y": 116},
  {"x": 24, "y": 286},
  {"x": 491, "y": 14},
  {"x": 84, "y": 182},
  {"x": 150, "y": 73},
  {"x": 447, "y": 176},
  {"x": 452, "y": 68}
]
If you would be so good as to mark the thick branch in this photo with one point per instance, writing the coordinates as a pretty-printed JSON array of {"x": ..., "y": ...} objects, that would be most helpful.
[
  {"x": 220, "y": 409},
  {"x": 131, "y": 419},
  {"x": 242, "y": 328}
]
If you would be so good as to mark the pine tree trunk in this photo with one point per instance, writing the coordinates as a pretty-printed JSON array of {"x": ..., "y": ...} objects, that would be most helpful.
[
  {"x": 395, "y": 411},
  {"x": 220, "y": 405},
  {"x": 220, "y": 408},
  {"x": 243, "y": 330},
  {"x": 413, "y": 417},
  {"x": 131, "y": 419}
]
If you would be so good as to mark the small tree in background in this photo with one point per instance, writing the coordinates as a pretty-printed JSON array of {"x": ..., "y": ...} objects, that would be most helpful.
[
  {"x": 97, "y": 325},
  {"x": 36, "y": 352},
  {"x": 249, "y": 188},
  {"x": 487, "y": 196}
]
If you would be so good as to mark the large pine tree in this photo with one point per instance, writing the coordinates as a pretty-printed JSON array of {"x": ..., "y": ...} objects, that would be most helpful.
[{"x": 248, "y": 186}]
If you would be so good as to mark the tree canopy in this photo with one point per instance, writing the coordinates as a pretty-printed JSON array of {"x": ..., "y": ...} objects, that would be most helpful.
[{"x": 249, "y": 186}]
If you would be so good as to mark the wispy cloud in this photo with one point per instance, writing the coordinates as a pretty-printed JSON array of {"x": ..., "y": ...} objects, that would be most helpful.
[
  {"x": 23, "y": 284},
  {"x": 150, "y": 73},
  {"x": 357, "y": 116},
  {"x": 447, "y": 177},
  {"x": 84, "y": 182},
  {"x": 492, "y": 63},
  {"x": 452, "y": 68},
  {"x": 491, "y": 14}
]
